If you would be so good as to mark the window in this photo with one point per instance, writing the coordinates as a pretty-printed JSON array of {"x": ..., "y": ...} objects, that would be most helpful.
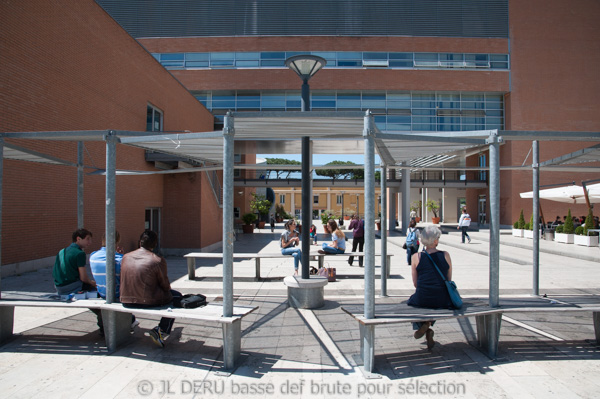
[
  {"x": 482, "y": 164},
  {"x": 154, "y": 119},
  {"x": 339, "y": 199},
  {"x": 315, "y": 199},
  {"x": 236, "y": 213},
  {"x": 282, "y": 198}
]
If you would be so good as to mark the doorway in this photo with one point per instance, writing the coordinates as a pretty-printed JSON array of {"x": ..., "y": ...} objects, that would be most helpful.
[
  {"x": 481, "y": 210},
  {"x": 152, "y": 222}
]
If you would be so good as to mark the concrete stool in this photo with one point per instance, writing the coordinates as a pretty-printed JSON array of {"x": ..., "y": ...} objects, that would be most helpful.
[{"x": 305, "y": 293}]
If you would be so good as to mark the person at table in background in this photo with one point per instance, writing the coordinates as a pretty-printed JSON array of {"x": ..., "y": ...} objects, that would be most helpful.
[
  {"x": 412, "y": 241},
  {"x": 431, "y": 291},
  {"x": 463, "y": 224},
  {"x": 98, "y": 266},
  {"x": 69, "y": 272},
  {"x": 338, "y": 243},
  {"x": 145, "y": 283},
  {"x": 313, "y": 233},
  {"x": 289, "y": 241},
  {"x": 357, "y": 225},
  {"x": 557, "y": 221}
]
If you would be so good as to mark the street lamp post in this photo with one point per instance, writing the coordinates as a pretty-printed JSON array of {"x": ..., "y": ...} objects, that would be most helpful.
[{"x": 306, "y": 66}]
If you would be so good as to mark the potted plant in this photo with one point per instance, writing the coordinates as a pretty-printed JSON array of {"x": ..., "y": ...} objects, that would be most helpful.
[
  {"x": 566, "y": 233},
  {"x": 416, "y": 207},
  {"x": 528, "y": 232},
  {"x": 433, "y": 206},
  {"x": 326, "y": 215},
  {"x": 519, "y": 226},
  {"x": 248, "y": 226},
  {"x": 582, "y": 237},
  {"x": 279, "y": 213},
  {"x": 260, "y": 204}
]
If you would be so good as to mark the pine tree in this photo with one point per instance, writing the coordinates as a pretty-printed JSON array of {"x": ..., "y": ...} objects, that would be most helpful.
[{"x": 569, "y": 227}]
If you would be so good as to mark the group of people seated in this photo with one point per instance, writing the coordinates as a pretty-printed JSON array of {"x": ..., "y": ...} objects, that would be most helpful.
[
  {"x": 141, "y": 279},
  {"x": 577, "y": 221}
]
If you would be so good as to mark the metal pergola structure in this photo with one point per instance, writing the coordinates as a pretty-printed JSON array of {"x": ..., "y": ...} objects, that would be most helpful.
[{"x": 330, "y": 133}]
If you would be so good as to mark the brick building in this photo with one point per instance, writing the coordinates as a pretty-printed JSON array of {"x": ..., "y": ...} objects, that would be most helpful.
[
  {"x": 419, "y": 66},
  {"x": 68, "y": 66}
]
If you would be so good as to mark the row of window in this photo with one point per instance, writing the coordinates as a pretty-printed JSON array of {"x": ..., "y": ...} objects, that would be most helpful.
[
  {"x": 393, "y": 111},
  {"x": 335, "y": 59}
]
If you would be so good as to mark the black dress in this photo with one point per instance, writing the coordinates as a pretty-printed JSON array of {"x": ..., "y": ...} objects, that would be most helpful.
[{"x": 431, "y": 290}]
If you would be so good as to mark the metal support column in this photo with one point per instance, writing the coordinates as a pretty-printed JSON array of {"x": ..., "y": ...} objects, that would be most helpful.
[
  {"x": 405, "y": 199},
  {"x": 1, "y": 192},
  {"x": 228, "y": 143},
  {"x": 369, "y": 260},
  {"x": 536, "y": 217},
  {"x": 494, "y": 187},
  {"x": 384, "y": 233},
  {"x": 80, "y": 185},
  {"x": 306, "y": 206},
  {"x": 392, "y": 203},
  {"x": 110, "y": 214}
]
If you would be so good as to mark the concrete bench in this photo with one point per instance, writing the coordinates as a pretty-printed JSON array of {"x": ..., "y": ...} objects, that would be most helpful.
[
  {"x": 192, "y": 264},
  {"x": 488, "y": 319},
  {"x": 117, "y": 320}
]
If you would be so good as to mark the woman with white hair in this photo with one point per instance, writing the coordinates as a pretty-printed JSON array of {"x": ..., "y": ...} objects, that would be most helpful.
[{"x": 431, "y": 291}]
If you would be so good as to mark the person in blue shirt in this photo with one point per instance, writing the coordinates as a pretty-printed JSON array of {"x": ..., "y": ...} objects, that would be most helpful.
[{"x": 98, "y": 266}]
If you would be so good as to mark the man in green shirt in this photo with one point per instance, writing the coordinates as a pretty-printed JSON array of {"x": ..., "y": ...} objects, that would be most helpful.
[{"x": 69, "y": 270}]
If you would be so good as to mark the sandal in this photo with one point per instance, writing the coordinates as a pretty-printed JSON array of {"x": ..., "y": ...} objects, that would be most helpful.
[
  {"x": 429, "y": 337},
  {"x": 421, "y": 331}
]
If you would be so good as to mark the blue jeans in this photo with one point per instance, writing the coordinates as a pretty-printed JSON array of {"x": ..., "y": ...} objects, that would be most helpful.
[
  {"x": 295, "y": 252},
  {"x": 410, "y": 250},
  {"x": 332, "y": 250}
]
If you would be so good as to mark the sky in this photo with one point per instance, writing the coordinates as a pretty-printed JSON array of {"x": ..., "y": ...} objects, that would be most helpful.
[{"x": 320, "y": 159}]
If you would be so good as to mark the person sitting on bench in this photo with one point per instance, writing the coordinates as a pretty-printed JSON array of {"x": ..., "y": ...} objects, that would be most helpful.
[
  {"x": 288, "y": 242},
  {"x": 145, "y": 283},
  {"x": 338, "y": 244},
  {"x": 431, "y": 291}
]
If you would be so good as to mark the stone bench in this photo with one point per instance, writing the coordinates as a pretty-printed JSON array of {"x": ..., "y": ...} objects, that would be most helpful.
[
  {"x": 488, "y": 319},
  {"x": 117, "y": 320}
]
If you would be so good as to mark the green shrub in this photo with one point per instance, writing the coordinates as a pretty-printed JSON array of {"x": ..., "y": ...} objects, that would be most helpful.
[
  {"x": 589, "y": 223},
  {"x": 248, "y": 218},
  {"x": 516, "y": 225},
  {"x": 521, "y": 220},
  {"x": 579, "y": 230},
  {"x": 326, "y": 215},
  {"x": 526, "y": 227},
  {"x": 569, "y": 228},
  {"x": 530, "y": 223},
  {"x": 559, "y": 228}
]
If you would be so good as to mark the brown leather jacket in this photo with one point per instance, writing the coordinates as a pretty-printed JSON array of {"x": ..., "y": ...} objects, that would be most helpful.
[{"x": 144, "y": 279}]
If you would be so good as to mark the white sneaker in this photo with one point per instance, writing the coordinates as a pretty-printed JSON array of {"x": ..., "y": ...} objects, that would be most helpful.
[{"x": 134, "y": 325}]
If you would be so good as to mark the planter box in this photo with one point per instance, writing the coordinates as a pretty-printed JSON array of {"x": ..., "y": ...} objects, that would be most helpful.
[
  {"x": 517, "y": 233},
  {"x": 564, "y": 238},
  {"x": 435, "y": 220},
  {"x": 248, "y": 228},
  {"x": 528, "y": 234},
  {"x": 588, "y": 241}
]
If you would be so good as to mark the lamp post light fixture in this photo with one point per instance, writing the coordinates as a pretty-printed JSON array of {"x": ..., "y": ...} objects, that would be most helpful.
[{"x": 306, "y": 66}]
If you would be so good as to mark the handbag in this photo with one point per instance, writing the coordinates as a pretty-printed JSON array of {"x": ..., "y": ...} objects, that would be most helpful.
[
  {"x": 450, "y": 286},
  {"x": 189, "y": 301}
]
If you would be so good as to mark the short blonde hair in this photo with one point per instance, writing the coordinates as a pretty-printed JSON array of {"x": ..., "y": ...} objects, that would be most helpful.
[{"x": 429, "y": 234}]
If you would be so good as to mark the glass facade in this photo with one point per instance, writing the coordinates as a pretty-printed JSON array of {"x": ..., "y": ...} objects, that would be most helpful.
[
  {"x": 393, "y": 111},
  {"x": 335, "y": 59}
]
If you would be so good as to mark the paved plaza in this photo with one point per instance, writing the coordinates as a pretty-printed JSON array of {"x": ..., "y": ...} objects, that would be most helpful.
[{"x": 296, "y": 353}]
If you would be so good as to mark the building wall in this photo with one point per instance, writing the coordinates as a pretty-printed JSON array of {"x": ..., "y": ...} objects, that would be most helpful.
[
  {"x": 66, "y": 65},
  {"x": 555, "y": 85}
]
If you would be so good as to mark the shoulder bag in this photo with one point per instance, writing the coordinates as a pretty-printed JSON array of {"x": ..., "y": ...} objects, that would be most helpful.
[
  {"x": 189, "y": 301},
  {"x": 450, "y": 285}
]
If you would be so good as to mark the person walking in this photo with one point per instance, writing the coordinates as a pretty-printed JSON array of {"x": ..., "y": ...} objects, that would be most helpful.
[
  {"x": 463, "y": 224},
  {"x": 357, "y": 225}
]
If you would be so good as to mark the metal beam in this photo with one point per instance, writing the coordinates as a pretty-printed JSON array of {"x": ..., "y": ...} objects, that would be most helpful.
[
  {"x": 228, "y": 160},
  {"x": 494, "y": 288}
]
